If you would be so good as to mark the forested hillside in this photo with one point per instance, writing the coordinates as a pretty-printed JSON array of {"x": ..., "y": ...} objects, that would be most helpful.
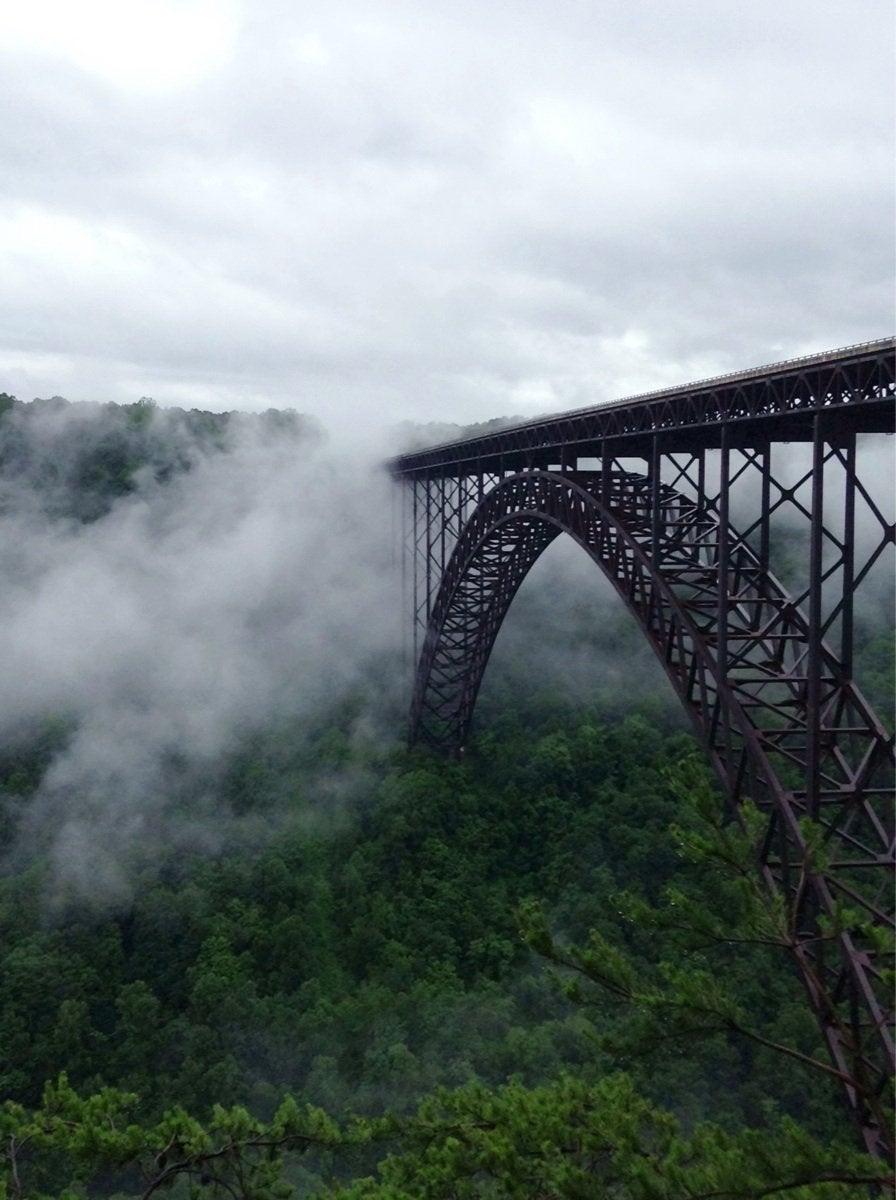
[{"x": 252, "y": 946}]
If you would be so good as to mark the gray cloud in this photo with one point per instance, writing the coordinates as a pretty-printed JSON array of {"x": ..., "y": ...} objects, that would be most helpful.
[{"x": 387, "y": 212}]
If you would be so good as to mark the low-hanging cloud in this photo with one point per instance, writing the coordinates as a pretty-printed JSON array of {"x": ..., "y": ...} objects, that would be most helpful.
[
  {"x": 256, "y": 586},
  {"x": 367, "y": 209}
]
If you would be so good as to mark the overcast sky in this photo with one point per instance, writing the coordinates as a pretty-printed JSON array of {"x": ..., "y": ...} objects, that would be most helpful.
[{"x": 436, "y": 210}]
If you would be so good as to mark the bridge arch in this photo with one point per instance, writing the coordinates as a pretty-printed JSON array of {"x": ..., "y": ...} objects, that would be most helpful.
[
  {"x": 500, "y": 543},
  {"x": 734, "y": 645}
]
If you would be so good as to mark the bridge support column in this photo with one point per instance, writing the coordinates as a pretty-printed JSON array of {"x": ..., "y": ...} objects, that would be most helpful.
[{"x": 814, "y": 666}]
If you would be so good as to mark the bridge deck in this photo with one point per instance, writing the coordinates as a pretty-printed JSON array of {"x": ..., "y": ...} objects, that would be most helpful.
[{"x": 771, "y": 403}]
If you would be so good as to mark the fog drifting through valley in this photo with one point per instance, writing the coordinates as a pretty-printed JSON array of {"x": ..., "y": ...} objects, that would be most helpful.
[{"x": 255, "y": 586}]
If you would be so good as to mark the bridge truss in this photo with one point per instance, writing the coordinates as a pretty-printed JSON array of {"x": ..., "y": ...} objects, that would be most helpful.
[{"x": 747, "y": 523}]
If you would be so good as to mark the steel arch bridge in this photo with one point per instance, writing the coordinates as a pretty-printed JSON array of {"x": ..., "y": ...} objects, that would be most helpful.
[{"x": 689, "y": 500}]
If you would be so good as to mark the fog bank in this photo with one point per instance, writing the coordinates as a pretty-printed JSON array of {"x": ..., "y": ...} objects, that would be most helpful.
[{"x": 255, "y": 585}]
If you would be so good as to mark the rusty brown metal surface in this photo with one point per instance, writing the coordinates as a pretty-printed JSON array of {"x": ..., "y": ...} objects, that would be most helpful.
[{"x": 688, "y": 501}]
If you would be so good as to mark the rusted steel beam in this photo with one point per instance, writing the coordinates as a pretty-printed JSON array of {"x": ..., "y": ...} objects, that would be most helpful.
[
  {"x": 775, "y": 402},
  {"x": 690, "y": 545}
]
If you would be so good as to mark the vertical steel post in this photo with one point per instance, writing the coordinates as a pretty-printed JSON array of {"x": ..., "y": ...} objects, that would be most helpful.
[
  {"x": 766, "y": 503},
  {"x": 405, "y": 500},
  {"x": 849, "y": 558},
  {"x": 813, "y": 664},
  {"x": 656, "y": 461},
  {"x": 441, "y": 534},
  {"x": 701, "y": 479},
  {"x": 605, "y": 468},
  {"x": 429, "y": 546},
  {"x": 415, "y": 571},
  {"x": 722, "y": 556},
  {"x": 701, "y": 500}
]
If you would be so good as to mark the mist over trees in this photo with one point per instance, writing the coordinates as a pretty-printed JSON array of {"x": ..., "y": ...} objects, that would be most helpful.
[
  {"x": 174, "y": 581},
  {"x": 252, "y": 946}
]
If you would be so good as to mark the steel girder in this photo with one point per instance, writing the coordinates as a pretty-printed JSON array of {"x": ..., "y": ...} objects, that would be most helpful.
[
  {"x": 776, "y": 403},
  {"x": 766, "y": 671}
]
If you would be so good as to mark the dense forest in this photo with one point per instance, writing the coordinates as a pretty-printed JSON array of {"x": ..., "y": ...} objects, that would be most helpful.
[{"x": 272, "y": 952}]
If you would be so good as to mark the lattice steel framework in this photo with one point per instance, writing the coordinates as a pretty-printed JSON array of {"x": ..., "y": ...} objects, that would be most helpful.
[{"x": 687, "y": 500}]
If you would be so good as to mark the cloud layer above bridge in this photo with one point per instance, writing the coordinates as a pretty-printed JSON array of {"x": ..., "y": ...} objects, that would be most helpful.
[{"x": 383, "y": 211}]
